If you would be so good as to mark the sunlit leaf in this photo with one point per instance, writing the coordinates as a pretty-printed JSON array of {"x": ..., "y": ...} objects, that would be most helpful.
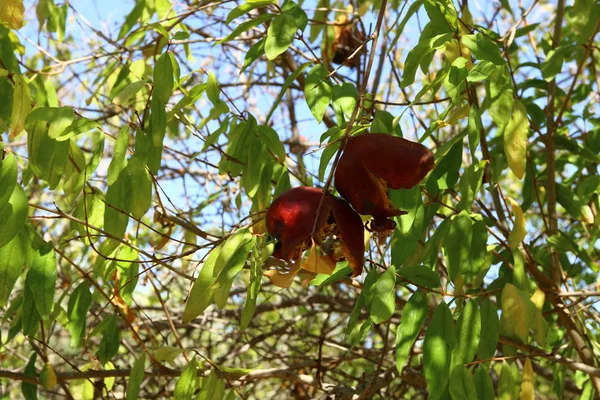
[
  {"x": 167, "y": 353},
  {"x": 515, "y": 139},
  {"x": 80, "y": 302},
  {"x": 136, "y": 377},
  {"x": 318, "y": 91},
  {"x": 280, "y": 35},
  {"x": 48, "y": 376},
  {"x": 11, "y": 13},
  {"x": 383, "y": 301},
  {"x": 468, "y": 331},
  {"x": 519, "y": 227},
  {"x": 440, "y": 340},
  {"x": 21, "y": 105},
  {"x": 527, "y": 385},
  {"x": 317, "y": 264},
  {"x": 188, "y": 381},
  {"x": 516, "y": 309},
  {"x": 201, "y": 294},
  {"x": 411, "y": 323}
]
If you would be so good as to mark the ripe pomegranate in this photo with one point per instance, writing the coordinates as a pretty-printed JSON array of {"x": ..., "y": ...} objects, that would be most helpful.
[
  {"x": 371, "y": 164},
  {"x": 339, "y": 229}
]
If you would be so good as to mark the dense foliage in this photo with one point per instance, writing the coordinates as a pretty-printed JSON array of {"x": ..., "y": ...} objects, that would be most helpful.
[{"x": 140, "y": 154}]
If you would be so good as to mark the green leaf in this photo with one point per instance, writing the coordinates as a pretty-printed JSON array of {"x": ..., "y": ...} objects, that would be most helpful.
[
  {"x": 419, "y": 53},
  {"x": 462, "y": 385},
  {"x": 118, "y": 197},
  {"x": 455, "y": 79},
  {"x": 319, "y": 19},
  {"x": 501, "y": 102},
  {"x": 119, "y": 152},
  {"x": 79, "y": 126},
  {"x": 29, "y": 390},
  {"x": 438, "y": 344},
  {"x": 246, "y": 26},
  {"x": 252, "y": 295},
  {"x": 136, "y": 376},
  {"x": 280, "y": 35},
  {"x": 213, "y": 92},
  {"x": 41, "y": 278},
  {"x": 167, "y": 353},
  {"x": 59, "y": 119},
  {"x": 458, "y": 244},
  {"x": 128, "y": 92},
  {"x": 47, "y": 157},
  {"x": 490, "y": 331},
  {"x": 469, "y": 185},
  {"x": 79, "y": 305},
  {"x": 75, "y": 173},
  {"x": 414, "y": 7},
  {"x": 332, "y": 147},
  {"x": 340, "y": 272},
  {"x": 163, "y": 7},
  {"x": 213, "y": 388},
  {"x": 246, "y": 8},
  {"x": 163, "y": 78},
  {"x": 111, "y": 340},
  {"x": 481, "y": 71},
  {"x": 483, "y": 382},
  {"x": 483, "y": 48},
  {"x": 132, "y": 18},
  {"x": 468, "y": 330},
  {"x": 232, "y": 258},
  {"x": 21, "y": 105},
  {"x": 446, "y": 170},
  {"x": 509, "y": 385},
  {"x": 383, "y": 302},
  {"x": 318, "y": 91},
  {"x": 515, "y": 139},
  {"x": 188, "y": 381},
  {"x": 257, "y": 160},
  {"x": 12, "y": 261},
  {"x": 553, "y": 63},
  {"x": 574, "y": 205},
  {"x": 271, "y": 138},
  {"x": 344, "y": 99},
  {"x": 421, "y": 275},
  {"x": 30, "y": 318},
  {"x": 291, "y": 8},
  {"x": 8, "y": 178},
  {"x": 140, "y": 190},
  {"x": 413, "y": 317},
  {"x": 201, "y": 294},
  {"x": 254, "y": 52},
  {"x": 356, "y": 332}
]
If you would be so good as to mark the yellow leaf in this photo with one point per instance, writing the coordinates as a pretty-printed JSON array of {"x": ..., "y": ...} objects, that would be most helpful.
[
  {"x": 538, "y": 298},
  {"x": 318, "y": 264},
  {"x": 283, "y": 280},
  {"x": 527, "y": 392},
  {"x": 21, "y": 105},
  {"x": 514, "y": 321},
  {"x": 48, "y": 376},
  {"x": 518, "y": 233},
  {"x": 11, "y": 13},
  {"x": 515, "y": 139},
  {"x": 540, "y": 325}
]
